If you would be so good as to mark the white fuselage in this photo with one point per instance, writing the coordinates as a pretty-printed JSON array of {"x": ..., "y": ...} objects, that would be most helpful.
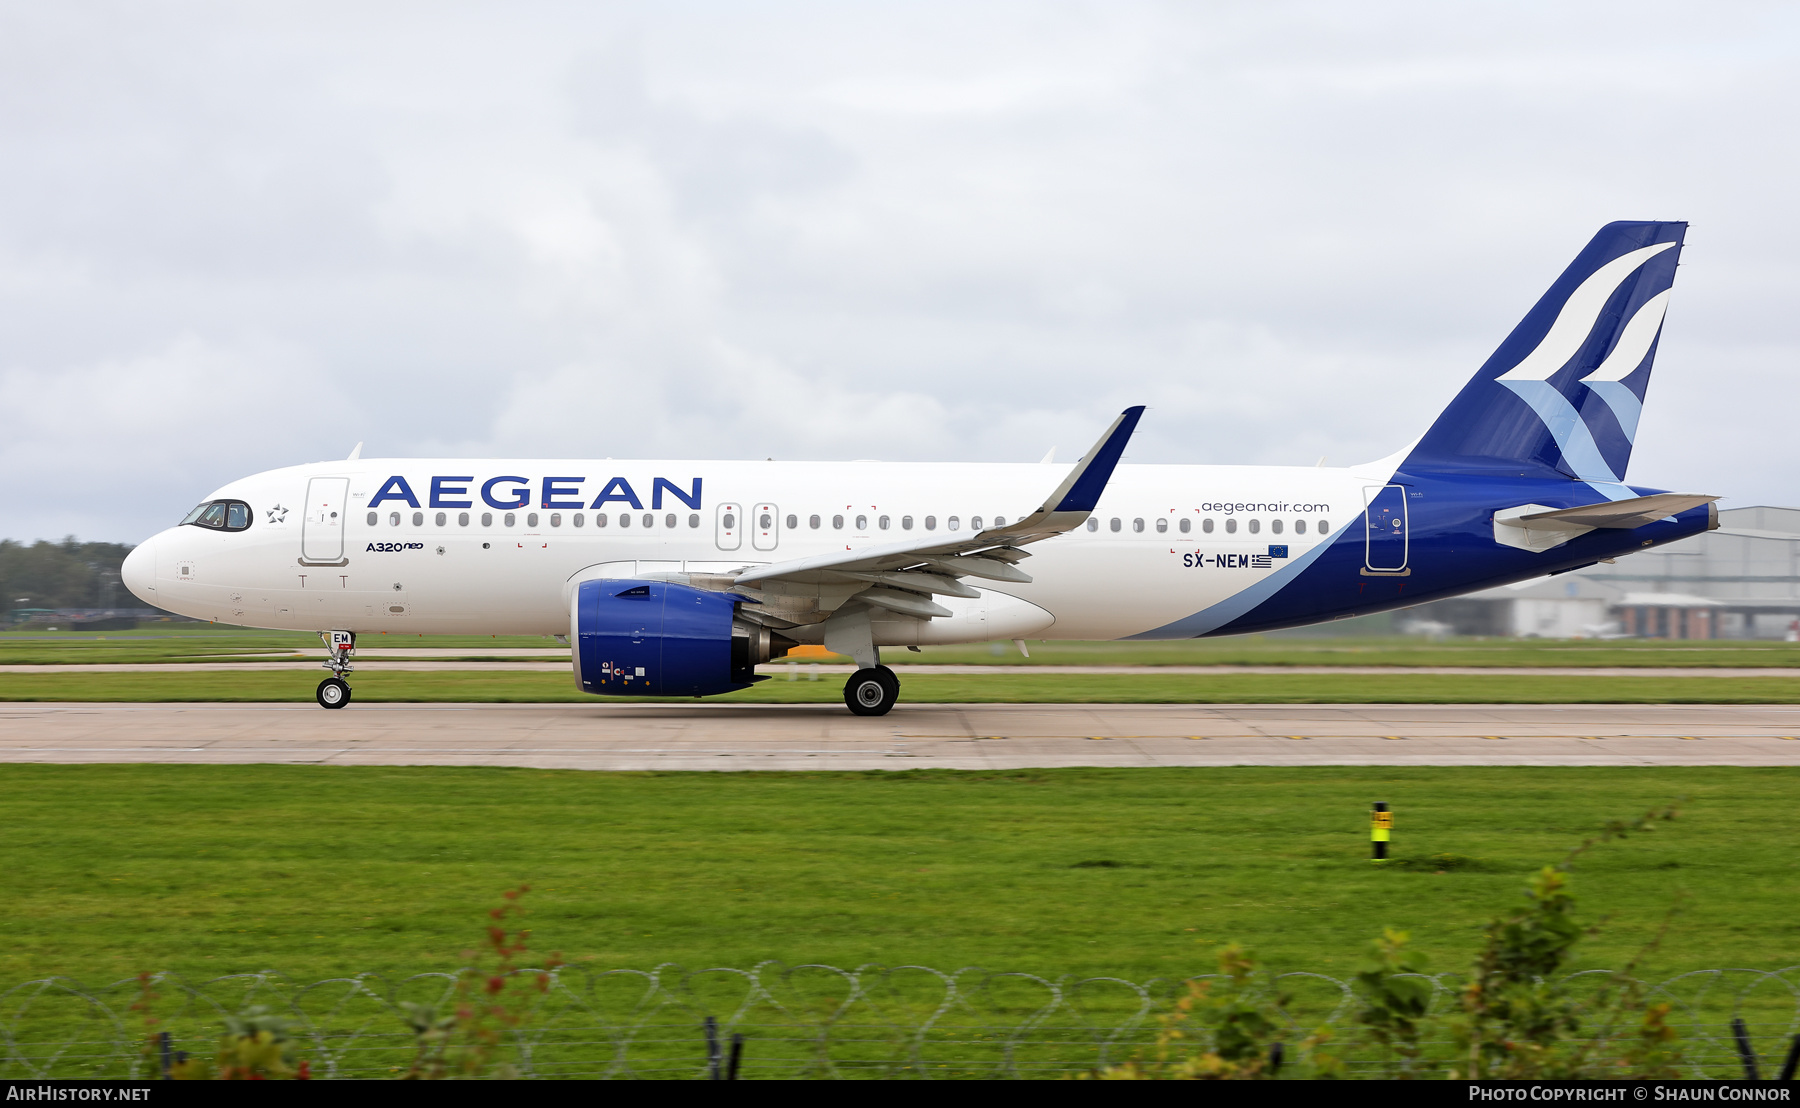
[{"x": 506, "y": 563}]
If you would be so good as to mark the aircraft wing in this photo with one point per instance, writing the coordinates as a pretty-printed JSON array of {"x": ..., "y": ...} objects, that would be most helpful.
[
  {"x": 902, "y": 577},
  {"x": 1626, "y": 514}
]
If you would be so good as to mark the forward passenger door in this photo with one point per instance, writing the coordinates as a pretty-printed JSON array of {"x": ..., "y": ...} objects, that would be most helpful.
[{"x": 322, "y": 528}]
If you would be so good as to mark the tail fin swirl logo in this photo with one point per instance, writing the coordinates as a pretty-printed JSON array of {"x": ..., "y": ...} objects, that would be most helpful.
[
  {"x": 1530, "y": 379},
  {"x": 1573, "y": 373}
]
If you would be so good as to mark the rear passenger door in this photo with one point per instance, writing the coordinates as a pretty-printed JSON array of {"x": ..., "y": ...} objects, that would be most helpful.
[{"x": 1384, "y": 529}]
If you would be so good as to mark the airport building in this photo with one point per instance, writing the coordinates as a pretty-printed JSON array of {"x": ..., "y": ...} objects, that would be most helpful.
[{"x": 1741, "y": 581}]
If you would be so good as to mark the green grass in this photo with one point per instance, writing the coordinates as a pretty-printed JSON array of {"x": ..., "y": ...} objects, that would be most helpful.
[
  {"x": 1397, "y": 650},
  {"x": 187, "y": 642},
  {"x": 372, "y": 685},
  {"x": 175, "y": 642},
  {"x": 317, "y": 871}
]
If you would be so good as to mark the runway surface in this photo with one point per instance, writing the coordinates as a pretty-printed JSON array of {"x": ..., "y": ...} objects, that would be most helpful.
[{"x": 687, "y": 736}]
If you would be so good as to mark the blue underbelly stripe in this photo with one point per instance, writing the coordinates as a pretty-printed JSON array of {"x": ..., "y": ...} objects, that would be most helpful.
[{"x": 1239, "y": 603}]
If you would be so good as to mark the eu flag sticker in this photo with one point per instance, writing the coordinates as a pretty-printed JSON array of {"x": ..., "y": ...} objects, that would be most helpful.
[{"x": 1277, "y": 551}]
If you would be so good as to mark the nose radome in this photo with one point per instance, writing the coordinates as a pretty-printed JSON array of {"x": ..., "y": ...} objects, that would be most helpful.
[{"x": 139, "y": 572}]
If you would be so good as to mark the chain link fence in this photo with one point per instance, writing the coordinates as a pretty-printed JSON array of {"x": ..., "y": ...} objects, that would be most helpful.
[{"x": 807, "y": 1021}]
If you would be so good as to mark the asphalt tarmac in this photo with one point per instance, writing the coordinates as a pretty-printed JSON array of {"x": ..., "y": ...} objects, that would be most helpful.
[{"x": 699, "y": 736}]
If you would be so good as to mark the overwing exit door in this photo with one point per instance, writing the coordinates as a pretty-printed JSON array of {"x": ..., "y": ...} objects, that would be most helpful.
[
  {"x": 322, "y": 528},
  {"x": 765, "y": 527},
  {"x": 1384, "y": 529},
  {"x": 730, "y": 533}
]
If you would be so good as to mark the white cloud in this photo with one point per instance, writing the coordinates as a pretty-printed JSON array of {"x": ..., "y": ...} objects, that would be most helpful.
[{"x": 809, "y": 230}]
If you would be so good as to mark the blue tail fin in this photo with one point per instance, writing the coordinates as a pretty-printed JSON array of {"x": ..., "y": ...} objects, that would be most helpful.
[{"x": 1562, "y": 395}]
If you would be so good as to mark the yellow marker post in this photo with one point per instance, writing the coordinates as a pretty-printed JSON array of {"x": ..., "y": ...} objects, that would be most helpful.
[{"x": 1381, "y": 828}]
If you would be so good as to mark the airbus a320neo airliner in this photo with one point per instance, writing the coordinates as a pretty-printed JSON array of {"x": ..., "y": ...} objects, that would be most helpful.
[{"x": 676, "y": 578}]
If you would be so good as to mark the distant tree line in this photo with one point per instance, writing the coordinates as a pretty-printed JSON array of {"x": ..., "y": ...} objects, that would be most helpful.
[{"x": 66, "y": 574}]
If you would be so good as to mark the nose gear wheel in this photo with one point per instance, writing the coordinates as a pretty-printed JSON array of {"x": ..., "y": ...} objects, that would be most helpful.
[{"x": 333, "y": 692}]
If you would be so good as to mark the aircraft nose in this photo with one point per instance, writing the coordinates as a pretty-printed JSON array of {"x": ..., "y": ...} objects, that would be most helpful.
[{"x": 139, "y": 572}]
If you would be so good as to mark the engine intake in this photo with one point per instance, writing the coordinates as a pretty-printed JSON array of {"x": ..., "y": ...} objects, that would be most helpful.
[{"x": 658, "y": 638}]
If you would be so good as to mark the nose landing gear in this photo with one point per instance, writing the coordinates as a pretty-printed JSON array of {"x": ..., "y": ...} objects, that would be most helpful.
[{"x": 334, "y": 691}]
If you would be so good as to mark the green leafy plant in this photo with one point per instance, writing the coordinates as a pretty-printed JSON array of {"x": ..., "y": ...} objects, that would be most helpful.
[
  {"x": 1396, "y": 998},
  {"x": 255, "y": 1047},
  {"x": 1519, "y": 1017},
  {"x": 1229, "y": 1027}
]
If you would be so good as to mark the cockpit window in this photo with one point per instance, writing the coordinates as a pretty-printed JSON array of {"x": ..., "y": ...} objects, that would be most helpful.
[{"x": 221, "y": 515}]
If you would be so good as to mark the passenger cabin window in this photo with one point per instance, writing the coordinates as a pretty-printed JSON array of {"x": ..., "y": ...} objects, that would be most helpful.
[
  {"x": 1138, "y": 525},
  {"x": 837, "y": 523},
  {"x": 669, "y": 520},
  {"x": 882, "y": 523},
  {"x": 1093, "y": 524},
  {"x": 812, "y": 522},
  {"x": 930, "y": 523},
  {"x": 1206, "y": 525},
  {"x": 487, "y": 519},
  {"x": 649, "y": 520},
  {"x": 1255, "y": 526},
  {"x": 418, "y": 519},
  {"x": 374, "y": 518},
  {"x": 974, "y": 523},
  {"x": 462, "y": 519},
  {"x": 625, "y": 520},
  {"x": 1231, "y": 527},
  {"x": 508, "y": 518},
  {"x": 793, "y": 521},
  {"x": 862, "y": 523},
  {"x": 694, "y": 520},
  {"x": 578, "y": 520},
  {"x": 1162, "y": 525},
  {"x": 953, "y": 523},
  {"x": 442, "y": 518},
  {"x": 764, "y": 521},
  {"x": 1324, "y": 527},
  {"x": 1299, "y": 527},
  {"x": 556, "y": 519},
  {"x": 999, "y": 521},
  {"x": 531, "y": 520},
  {"x": 905, "y": 523},
  {"x": 1275, "y": 526},
  {"x": 393, "y": 519},
  {"x": 1115, "y": 525},
  {"x": 1186, "y": 526}
]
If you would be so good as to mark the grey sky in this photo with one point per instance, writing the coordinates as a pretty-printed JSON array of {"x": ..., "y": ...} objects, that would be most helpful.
[{"x": 234, "y": 237}]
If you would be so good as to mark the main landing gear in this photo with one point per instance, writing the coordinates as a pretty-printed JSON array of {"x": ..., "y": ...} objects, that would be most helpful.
[
  {"x": 871, "y": 692},
  {"x": 334, "y": 691}
]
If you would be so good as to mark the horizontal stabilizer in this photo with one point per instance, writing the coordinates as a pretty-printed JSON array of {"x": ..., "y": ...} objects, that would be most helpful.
[
  {"x": 1539, "y": 527},
  {"x": 1624, "y": 514}
]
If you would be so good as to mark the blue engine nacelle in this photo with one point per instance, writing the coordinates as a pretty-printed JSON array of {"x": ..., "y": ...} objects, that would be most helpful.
[{"x": 657, "y": 638}]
